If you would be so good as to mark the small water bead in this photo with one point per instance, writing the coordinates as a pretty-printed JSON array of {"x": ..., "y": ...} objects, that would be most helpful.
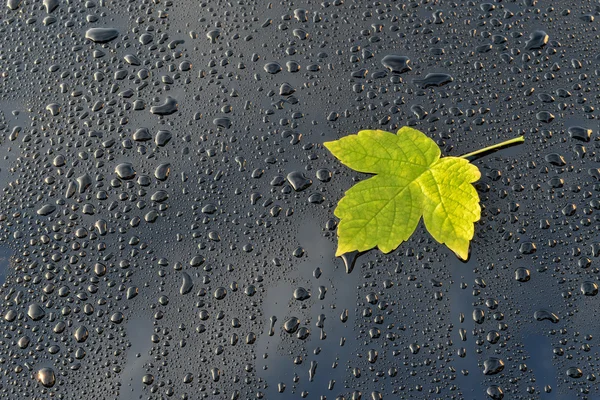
[
  {"x": 300, "y": 34},
  {"x": 132, "y": 292},
  {"x": 375, "y": 333},
  {"x": 396, "y": 64},
  {"x": 324, "y": 175},
  {"x": 250, "y": 290},
  {"x": 160, "y": 196},
  {"x": 187, "y": 283},
  {"x": 132, "y": 60},
  {"x": 372, "y": 356},
  {"x": 151, "y": 216},
  {"x": 298, "y": 252},
  {"x": 272, "y": 67},
  {"x": 286, "y": 89},
  {"x": 299, "y": 181},
  {"x": 414, "y": 348},
  {"x": 349, "y": 260},
  {"x": 59, "y": 161},
  {"x": 146, "y": 38},
  {"x": 494, "y": 392},
  {"x": 53, "y": 108},
  {"x": 344, "y": 316},
  {"x": 555, "y": 159},
  {"x": 23, "y": 342},
  {"x": 418, "y": 111},
  {"x": 291, "y": 325},
  {"x": 81, "y": 334},
  {"x": 162, "y": 171},
  {"x": 493, "y": 337},
  {"x": 142, "y": 135},
  {"x": 545, "y": 116},
  {"x": 589, "y": 288},
  {"x": 220, "y": 293},
  {"x": 117, "y": 317},
  {"x": 100, "y": 269},
  {"x": 492, "y": 304},
  {"x": 125, "y": 171},
  {"x": 569, "y": 210},
  {"x": 148, "y": 379},
  {"x": 493, "y": 366},
  {"x": 13, "y": 4},
  {"x": 545, "y": 98},
  {"x": 433, "y": 80},
  {"x": 46, "y": 209},
  {"x": 203, "y": 315},
  {"x": 223, "y": 122},
  {"x": 101, "y": 35},
  {"x": 574, "y": 372},
  {"x": 579, "y": 150},
  {"x": 301, "y": 294},
  {"x": 359, "y": 74},
  {"x": 372, "y": 298},
  {"x": 169, "y": 106},
  {"x": 522, "y": 274},
  {"x": 292, "y": 66},
  {"x": 213, "y": 35},
  {"x": 35, "y": 312},
  {"x": 163, "y": 300},
  {"x": 316, "y": 198},
  {"x": 580, "y": 133},
  {"x": 46, "y": 377},
  {"x": 527, "y": 248},
  {"x": 303, "y": 333},
  {"x": 584, "y": 262},
  {"x": 545, "y": 315},
  {"x": 556, "y": 182},
  {"x": 375, "y": 395},
  {"x": 209, "y": 209},
  {"x": 313, "y": 67}
]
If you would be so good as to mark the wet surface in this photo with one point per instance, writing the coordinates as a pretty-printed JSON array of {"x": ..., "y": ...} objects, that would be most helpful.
[
  {"x": 166, "y": 212},
  {"x": 5, "y": 255}
]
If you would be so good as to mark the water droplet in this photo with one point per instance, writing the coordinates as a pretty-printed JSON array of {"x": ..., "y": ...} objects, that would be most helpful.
[
  {"x": 46, "y": 377},
  {"x": 396, "y": 64},
  {"x": 433, "y": 80},
  {"x": 272, "y": 67},
  {"x": 36, "y": 312},
  {"x": 170, "y": 106},
  {"x": 493, "y": 366},
  {"x": 545, "y": 315},
  {"x": 125, "y": 171},
  {"x": 101, "y": 35},
  {"x": 537, "y": 40}
]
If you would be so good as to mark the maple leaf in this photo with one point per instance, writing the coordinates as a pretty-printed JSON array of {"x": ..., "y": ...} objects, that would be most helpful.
[{"x": 411, "y": 182}]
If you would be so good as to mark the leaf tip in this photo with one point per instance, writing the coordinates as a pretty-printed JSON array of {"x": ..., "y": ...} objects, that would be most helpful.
[
  {"x": 341, "y": 251},
  {"x": 385, "y": 249},
  {"x": 330, "y": 145},
  {"x": 462, "y": 252}
]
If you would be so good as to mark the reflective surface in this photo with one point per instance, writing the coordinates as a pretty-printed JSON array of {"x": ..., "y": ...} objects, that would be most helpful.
[{"x": 167, "y": 223}]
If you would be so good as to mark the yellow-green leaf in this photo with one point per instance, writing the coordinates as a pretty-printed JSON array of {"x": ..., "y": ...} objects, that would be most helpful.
[{"x": 411, "y": 182}]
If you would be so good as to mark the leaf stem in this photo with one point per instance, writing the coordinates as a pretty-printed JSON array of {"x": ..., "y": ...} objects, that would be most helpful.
[{"x": 510, "y": 142}]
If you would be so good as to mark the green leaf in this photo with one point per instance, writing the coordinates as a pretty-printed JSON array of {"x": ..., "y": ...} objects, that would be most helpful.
[{"x": 411, "y": 182}]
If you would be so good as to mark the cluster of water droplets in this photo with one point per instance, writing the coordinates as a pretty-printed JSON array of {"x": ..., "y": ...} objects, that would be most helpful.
[{"x": 166, "y": 218}]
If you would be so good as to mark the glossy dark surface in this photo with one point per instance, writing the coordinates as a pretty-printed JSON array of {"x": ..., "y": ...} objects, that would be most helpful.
[{"x": 167, "y": 223}]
